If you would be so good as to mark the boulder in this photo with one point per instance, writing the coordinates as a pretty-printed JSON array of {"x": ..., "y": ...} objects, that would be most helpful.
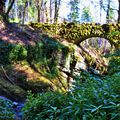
[{"x": 11, "y": 91}]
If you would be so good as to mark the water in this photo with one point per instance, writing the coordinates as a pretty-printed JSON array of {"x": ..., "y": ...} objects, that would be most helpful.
[{"x": 17, "y": 107}]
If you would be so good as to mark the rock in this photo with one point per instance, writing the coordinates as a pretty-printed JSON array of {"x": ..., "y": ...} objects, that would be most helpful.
[
  {"x": 64, "y": 75},
  {"x": 15, "y": 104},
  {"x": 11, "y": 91}
]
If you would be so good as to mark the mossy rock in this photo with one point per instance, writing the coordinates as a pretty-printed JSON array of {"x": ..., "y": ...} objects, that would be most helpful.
[
  {"x": 76, "y": 33},
  {"x": 11, "y": 91}
]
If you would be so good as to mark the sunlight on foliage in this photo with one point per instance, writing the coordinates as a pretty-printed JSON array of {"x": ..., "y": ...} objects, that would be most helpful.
[{"x": 91, "y": 98}]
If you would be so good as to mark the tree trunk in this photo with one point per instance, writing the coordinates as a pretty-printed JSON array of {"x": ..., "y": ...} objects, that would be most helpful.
[
  {"x": 50, "y": 11},
  {"x": 38, "y": 6},
  {"x": 46, "y": 13},
  {"x": 39, "y": 14},
  {"x": 2, "y": 7},
  {"x": 119, "y": 12},
  {"x": 57, "y": 5},
  {"x": 55, "y": 16},
  {"x": 24, "y": 12},
  {"x": 10, "y": 7},
  {"x": 108, "y": 12},
  {"x": 101, "y": 6},
  {"x": 42, "y": 11}
]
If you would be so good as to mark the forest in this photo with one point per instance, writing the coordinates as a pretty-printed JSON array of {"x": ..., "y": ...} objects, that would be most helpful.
[{"x": 59, "y": 59}]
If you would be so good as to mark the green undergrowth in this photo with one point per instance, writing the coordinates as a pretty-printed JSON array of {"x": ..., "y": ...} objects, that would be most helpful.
[
  {"x": 44, "y": 57},
  {"x": 114, "y": 64},
  {"x": 11, "y": 53},
  {"x": 91, "y": 98}
]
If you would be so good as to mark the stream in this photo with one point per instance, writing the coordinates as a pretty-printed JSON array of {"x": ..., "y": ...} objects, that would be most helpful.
[{"x": 17, "y": 107}]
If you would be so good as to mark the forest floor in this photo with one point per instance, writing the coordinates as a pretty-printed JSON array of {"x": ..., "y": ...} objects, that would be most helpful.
[{"x": 13, "y": 33}]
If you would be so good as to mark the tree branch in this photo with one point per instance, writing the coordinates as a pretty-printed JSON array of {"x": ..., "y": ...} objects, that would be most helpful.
[
  {"x": 10, "y": 7},
  {"x": 6, "y": 75}
]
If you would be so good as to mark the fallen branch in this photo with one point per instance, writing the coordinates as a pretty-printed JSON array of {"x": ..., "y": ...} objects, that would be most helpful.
[{"x": 7, "y": 77}]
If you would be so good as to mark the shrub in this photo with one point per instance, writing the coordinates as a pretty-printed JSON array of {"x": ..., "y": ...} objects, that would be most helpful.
[
  {"x": 114, "y": 64},
  {"x": 46, "y": 56},
  {"x": 11, "y": 52},
  {"x": 92, "y": 99}
]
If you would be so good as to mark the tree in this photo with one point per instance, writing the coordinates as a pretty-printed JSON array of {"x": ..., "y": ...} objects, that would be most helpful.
[
  {"x": 119, "y": 12},
  {"x": 24, "y": 11},
  {"x": 50, "y": 11},
  {"x": 101, "y": 6},
  {"x": 108, "y": 12},
  {"x": 2, "y": 6},
  {"x": 46, "y": 11},
  {"x": 38, "y": 6},
  {"x": 86, "y": 15},
  {"x": 10, "y": 7},
  {"x": 41, "y": 10},
  {"x": 57, "y": 6},
  {"x": 74, "y": 13}
]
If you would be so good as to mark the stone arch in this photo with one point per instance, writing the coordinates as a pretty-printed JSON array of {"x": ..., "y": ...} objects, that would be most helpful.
[
  {"x": 76, "y": 33},
  {"x": 109, "y": 40},
  {"x": 90, "y": 39},
  {"x": 101, "y": 45}
]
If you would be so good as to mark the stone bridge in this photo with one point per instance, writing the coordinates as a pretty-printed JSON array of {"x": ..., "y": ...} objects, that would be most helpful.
[{"x": 76, "y": 33}]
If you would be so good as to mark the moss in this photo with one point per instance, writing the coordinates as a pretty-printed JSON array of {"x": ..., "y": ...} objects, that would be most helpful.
[
  {"x": 46, "y": 56},
  {"x": 13, "y": 92},
  {"x": 49, "y": 28},
  {"x": 11, "y": 52},
  {"x": 42, "y": 58},
  {"x": 76, "y": 33}
]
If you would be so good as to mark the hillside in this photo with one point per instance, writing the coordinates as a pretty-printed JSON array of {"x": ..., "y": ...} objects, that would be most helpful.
[{"x": 28, "y": 65}]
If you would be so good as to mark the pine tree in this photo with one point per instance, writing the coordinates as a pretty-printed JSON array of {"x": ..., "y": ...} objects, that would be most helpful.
[
  {"x": 57, "y": 7},
  {"x": 86, "y": 15},
  {"x": 74, "y": 13}
]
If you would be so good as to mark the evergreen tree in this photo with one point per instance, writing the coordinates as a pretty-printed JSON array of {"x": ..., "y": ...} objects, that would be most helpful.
[
  {"x": 74, "y": 14},
  {"x": 86, "y": 15},
  {"x": 108, "y": 8},
  {"x": 57, "y": 6}
]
